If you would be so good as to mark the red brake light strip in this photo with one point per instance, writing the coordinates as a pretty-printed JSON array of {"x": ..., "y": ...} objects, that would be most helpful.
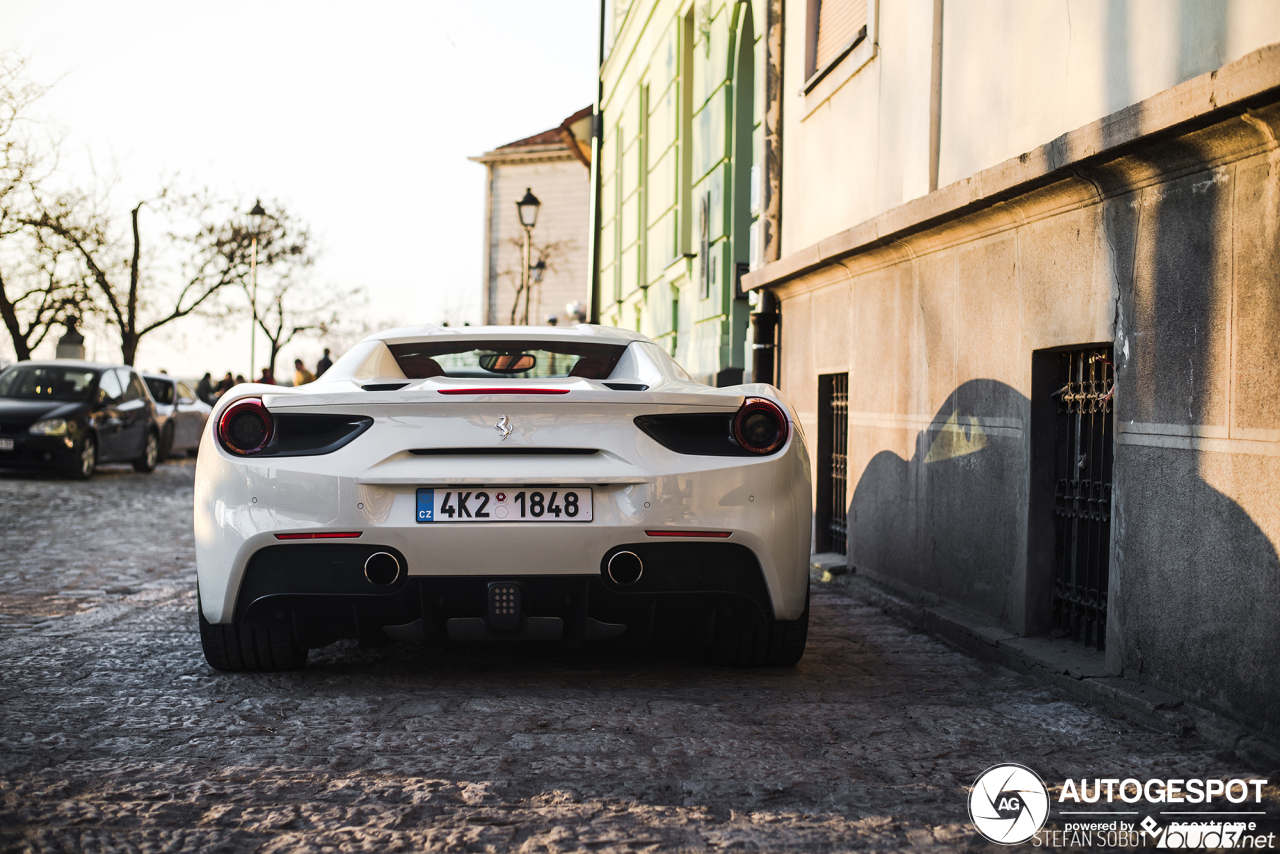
[
  {"x": 503, "y": 390},
  {"x": 321, "y": 535},
  {"x": 718, "y": 535}
]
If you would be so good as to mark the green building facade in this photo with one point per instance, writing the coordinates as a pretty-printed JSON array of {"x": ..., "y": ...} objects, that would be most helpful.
[{"x": 679, "y": 188}]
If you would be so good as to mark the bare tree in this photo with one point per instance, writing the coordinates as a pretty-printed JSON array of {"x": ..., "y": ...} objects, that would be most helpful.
[
  {"x": 198, "y": 248},
  {"x": 546, "y": 254},
  {"x": 293, "y": 308},
  {"x": 48, "y": 288},
  {"x": 37, "y": 286},
  {"x": 287, "y": 303}
]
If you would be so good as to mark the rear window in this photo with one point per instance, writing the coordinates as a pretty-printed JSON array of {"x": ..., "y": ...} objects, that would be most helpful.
[
  {"x": 161, "y": 390},
  {"x": 29, "y": 382},
  {"x": 507, "y": 359}
]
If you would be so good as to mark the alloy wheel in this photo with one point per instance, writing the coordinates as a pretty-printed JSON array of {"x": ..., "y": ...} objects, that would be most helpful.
[
  {"x": 153, "y": 450},
  {"x": 88, "y": 457}
]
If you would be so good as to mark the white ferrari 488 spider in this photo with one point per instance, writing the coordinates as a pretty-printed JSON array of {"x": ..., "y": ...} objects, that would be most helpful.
[{"x": 502, "y": 483}]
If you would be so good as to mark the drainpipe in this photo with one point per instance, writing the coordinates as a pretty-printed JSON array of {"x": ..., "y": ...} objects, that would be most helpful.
[
  {"x": 764, "y": 351},
  {"x": 764, "y": 357},
  {"x": 771, "y": 199},
  {"x": 597, "y": 136}
]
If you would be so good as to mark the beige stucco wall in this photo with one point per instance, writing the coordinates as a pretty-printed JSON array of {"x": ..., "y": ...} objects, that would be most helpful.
[
  {"x": 563, "y": 186},
  {"x": 1169, "y": 254},
  {"x": 939, "y": 328},
  {"x": 1014, "y": 75}
]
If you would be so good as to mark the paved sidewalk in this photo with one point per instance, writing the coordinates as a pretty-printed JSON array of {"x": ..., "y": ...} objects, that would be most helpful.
[{"x": 115, "y": 735}]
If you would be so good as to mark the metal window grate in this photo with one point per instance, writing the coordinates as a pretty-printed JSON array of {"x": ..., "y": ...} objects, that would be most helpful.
[
  {"x": 1083, "y": 459},
  {"x": 833, "y": 468}
]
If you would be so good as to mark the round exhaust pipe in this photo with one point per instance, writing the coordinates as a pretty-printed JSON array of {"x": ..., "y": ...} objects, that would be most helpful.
[
  {"x": 625, "y": 568},
  {"x": 382, "y": 569}
]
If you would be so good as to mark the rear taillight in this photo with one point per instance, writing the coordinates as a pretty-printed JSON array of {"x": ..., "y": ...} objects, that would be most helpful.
[
  {"x": 760, "y": 426},
  {"x": 246, "y": 427}
]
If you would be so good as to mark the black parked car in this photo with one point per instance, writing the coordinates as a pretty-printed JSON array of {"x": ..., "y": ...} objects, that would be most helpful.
[{"x": 71, "y": 415}]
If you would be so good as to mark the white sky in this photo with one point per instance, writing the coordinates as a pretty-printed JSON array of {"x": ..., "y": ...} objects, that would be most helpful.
[{"x": 359, "y": 117}]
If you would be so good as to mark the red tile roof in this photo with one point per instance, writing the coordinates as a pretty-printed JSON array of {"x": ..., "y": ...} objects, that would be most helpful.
[{"x": 547, "y": 137}]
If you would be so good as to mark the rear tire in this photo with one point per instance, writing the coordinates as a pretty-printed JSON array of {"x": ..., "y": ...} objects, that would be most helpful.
[
  {"x": 150, "y": 454},
  {"x": 235, "y": 648},
  {"x": 779, "y": 643}
]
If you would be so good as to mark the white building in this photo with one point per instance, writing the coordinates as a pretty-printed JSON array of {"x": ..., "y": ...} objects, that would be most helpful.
[{"x": 555, "y": 166}]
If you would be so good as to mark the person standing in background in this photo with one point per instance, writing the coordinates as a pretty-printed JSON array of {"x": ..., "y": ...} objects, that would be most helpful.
[
  {"x": 227, "y": 382},
  {"x": 267, "y": 377},
  {"x": 301, "y": 376},
  {"x": 324, "y": 364},
  {"x": 204, "y": 388}
]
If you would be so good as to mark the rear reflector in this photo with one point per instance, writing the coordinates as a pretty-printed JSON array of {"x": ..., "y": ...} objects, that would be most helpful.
[
  {"x": 503, "y": 390},
  {"x": 718, "y": 535},
  {"x": 322, "y": 535}
]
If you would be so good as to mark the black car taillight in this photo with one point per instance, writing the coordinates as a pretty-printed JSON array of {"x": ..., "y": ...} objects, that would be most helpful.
[
  {"x": 246, "y": 427},
  {"x": 706, "y": 434},
  {"x": 760, "y": 426},
  {"x": 311, "y": 435}
]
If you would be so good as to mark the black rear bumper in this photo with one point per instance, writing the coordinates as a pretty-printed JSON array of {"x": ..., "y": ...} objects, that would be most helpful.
[{"x": 322, "y": 593}]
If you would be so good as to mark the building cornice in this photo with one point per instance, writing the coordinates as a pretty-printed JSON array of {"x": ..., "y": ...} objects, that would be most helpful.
[
  {"x": 1232, "y": 90},
  {"x": 526, "y": 154}
]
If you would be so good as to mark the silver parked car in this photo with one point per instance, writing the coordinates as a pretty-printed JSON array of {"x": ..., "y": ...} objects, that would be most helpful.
[{"x": 179, "y": 412}]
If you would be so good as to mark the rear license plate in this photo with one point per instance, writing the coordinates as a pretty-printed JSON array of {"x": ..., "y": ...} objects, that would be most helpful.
[
  {"x": 504, "y": 504},
  {"x": 6, "y": 444}
]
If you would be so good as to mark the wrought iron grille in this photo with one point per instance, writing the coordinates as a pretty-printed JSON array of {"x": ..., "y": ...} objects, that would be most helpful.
[
  {"x": 1083, "y": 458},
  {"x": 833, "y": 470}
]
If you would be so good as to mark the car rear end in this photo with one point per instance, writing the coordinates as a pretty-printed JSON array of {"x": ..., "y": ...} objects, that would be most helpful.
[{"x": 558, "y": 508}]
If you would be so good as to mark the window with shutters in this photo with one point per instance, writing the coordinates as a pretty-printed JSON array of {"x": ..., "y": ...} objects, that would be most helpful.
[{"x": 836, "y": 27}]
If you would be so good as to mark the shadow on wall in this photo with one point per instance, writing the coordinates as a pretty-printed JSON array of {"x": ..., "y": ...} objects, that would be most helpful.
[
  {"x": 1201, "y": 579},
  {"x": 950, "y": 521},
  {"x": 1198, "y": 580},
  {"x": 1195, "y": 581},
  {"x": 1199, "y": 589}
]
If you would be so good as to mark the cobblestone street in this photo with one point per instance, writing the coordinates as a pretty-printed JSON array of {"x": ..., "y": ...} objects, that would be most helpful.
[{"x": 117, "y": 736}]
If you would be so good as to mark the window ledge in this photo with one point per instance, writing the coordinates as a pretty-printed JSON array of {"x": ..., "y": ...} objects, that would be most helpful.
[
  {"x": 824, "y": 82},
  {"x": 679, "y": 266},
  {"x": 826, "y": 69}
]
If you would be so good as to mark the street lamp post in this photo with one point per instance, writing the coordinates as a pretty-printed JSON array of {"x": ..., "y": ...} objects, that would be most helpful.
[
  {"x": 528, "y": 209},
  {"x": 535, "y": 273},
  {"x": 256, "y": 216}
]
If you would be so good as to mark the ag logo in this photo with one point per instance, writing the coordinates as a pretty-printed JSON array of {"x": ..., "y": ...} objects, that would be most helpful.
[{"x": 1008, "y": 804}]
